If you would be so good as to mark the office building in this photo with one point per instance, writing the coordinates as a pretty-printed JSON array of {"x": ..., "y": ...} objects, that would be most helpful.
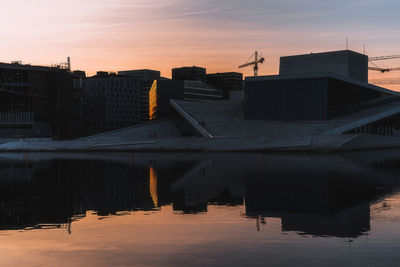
[
  {"x": 146, "y": 80},
  {"x": 141, "y": 75},
  {"x": 189, "y": 74},
  {"x": 226, "y": 82},
  {"x": 111, "y": 102},
  {"x": 34, "y": 100}
]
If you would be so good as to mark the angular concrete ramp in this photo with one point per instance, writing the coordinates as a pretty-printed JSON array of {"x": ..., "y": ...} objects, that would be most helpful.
[{"x": 365, "y": 121}]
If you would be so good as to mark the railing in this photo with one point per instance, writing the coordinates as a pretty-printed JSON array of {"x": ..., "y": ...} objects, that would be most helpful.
[{"x": 17, "y": 118}]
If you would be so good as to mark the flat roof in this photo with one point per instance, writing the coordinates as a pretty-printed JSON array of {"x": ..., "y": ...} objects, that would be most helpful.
[
  {"x": 327, "y": 53},
  {"x": 187, "y": 67},
  {"x": 24, "y": 66},
  {"x": 141, "y": 70}
]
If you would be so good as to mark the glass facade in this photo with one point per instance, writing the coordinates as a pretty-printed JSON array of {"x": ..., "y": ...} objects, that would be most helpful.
[{"x": 153, "y": 101}]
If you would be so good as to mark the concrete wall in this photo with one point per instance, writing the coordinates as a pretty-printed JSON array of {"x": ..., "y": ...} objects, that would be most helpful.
[
  {"x": 291, "y": 99},
  {"x": 312, "y": 98},
  {"x": 346, "y": 63},
  {"x": 167, "y": 90}
]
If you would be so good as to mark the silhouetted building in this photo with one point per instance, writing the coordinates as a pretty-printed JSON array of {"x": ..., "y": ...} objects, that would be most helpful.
[
  {"x": 34, "y": 100},
  {"x": 70, "y": 114},
  {"x": 141, "y": 75},
  {"x": 226, "y": 82},
  {"x": 183, "y": 90},
  {"x": 345, "y": 63},
  {"x": 313, "y": 87},
  {"x": 166, "y": 90},
  {"x": 146, "y": 79},
  {"x": 189, "y": 74},
  {"x": 111, "y": 102}
]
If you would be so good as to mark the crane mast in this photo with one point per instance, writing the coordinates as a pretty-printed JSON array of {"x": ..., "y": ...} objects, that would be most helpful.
[{"x": 255, "y": 62}]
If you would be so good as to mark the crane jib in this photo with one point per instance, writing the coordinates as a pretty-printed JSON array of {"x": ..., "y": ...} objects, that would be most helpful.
[{"x": 255, "y": 62}]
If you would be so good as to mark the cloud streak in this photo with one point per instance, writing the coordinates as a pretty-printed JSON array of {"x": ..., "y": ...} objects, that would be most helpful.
[{"x": 217, "y": 34}]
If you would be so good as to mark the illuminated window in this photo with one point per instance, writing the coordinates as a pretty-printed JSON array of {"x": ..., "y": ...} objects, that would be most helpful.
[{"x": 153, "y": 101}]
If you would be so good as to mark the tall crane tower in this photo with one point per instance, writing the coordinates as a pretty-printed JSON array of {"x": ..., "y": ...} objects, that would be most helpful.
[{"x": 255, "y": 61}]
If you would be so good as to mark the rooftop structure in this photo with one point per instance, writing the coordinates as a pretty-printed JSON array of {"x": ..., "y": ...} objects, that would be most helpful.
[
  {"x": 189, "y": 73},
  {"x": 142, "y": 75},
  {"x": 227, "y": 82},
  {"x": 33, "y": 100},
  {"x": 345, "y": 63}
]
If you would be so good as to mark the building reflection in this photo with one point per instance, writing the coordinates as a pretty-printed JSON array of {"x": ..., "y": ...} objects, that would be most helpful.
[
  {"x": 312, "y": 195},
  {"x": 52, "y": 192},
  {"x": 322, "y": 196},
  {"x": 321, "y": 206}
]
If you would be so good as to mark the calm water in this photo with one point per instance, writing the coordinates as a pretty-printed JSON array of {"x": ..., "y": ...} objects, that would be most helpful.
[{"x": 200, "y": 209}]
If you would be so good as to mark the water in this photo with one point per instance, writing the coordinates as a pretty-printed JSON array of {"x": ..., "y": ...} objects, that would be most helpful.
[{"x": 200, "y": 209}]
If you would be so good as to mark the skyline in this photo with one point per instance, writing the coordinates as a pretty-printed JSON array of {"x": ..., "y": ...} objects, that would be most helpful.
[{"x": 220, "y": 35}]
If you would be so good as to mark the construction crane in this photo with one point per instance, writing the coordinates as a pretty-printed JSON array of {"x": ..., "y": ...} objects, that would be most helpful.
[
  {"x": 383, "y": 70},
  {"x": 254, "y": 62},
  {"x": 387, "y": 81}
]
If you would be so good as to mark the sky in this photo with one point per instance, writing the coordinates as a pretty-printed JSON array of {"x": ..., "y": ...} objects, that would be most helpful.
[{"x": 113, "y": 35}]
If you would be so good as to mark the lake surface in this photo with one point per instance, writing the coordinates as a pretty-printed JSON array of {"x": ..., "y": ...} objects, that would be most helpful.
[{"x": 133, "y": 209}]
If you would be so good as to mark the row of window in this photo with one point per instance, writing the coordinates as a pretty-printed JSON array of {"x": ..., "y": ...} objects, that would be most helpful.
[
  {"x": 102, "y": 89},
  {"x": 114, "y": 111},
  {"x": 122, "y": 106},
  {"x": 112, "y": 82}
]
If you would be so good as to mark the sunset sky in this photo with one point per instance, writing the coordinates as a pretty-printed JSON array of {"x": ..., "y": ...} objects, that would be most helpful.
[{"x": 114, "y": 35}]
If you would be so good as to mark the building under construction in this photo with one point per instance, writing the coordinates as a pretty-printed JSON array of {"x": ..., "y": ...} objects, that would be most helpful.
[{"x": 35, "y": 101}]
